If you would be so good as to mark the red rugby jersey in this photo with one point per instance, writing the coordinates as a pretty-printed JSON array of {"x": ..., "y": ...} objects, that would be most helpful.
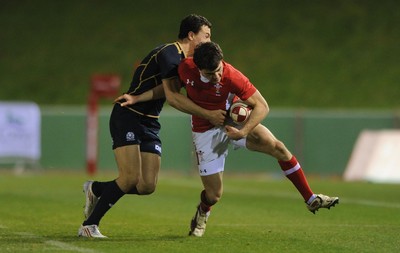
[{"x": 212, "y": 96}]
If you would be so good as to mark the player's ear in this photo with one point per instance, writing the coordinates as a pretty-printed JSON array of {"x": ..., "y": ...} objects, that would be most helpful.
[{"x": 191, "y": 35}]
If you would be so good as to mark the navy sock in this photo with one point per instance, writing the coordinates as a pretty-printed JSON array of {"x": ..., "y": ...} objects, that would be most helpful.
[
  {"x": 98, "y": 187},
  {"x": 110, "y": 196}
]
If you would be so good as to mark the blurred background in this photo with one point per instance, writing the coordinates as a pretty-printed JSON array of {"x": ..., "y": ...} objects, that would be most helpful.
[{"x": 328, "y": 69}]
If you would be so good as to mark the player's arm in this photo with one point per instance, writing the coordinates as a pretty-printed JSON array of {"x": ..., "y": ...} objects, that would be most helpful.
[
  {"x": 155, "y": 93},
  {"x": 172, "y": 90},
  {"x": 259, "y": 112}
]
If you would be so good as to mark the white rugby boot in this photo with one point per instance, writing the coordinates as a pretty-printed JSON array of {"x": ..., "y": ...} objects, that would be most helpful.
[
  {"x": 322, "y": 201},
  {"x": 90, "y": 231},
  {"x": 199, "y": 222}
]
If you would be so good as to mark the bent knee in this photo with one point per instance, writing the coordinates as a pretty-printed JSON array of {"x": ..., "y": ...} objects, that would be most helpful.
[
  {"x": 146, "y": 188},
  {"x": 213, "y": 198},
  {"x": 280, "y": 151},
  {"x": 127, "y": 183},
  {"x": 280, "y": 146}
]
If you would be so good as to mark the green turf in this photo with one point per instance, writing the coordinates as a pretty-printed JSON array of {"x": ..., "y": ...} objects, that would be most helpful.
[{"x": 42, "y": 212}]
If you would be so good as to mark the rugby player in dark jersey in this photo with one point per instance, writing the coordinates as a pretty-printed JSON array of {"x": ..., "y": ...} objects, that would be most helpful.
[{"x": 135, "y": 127}]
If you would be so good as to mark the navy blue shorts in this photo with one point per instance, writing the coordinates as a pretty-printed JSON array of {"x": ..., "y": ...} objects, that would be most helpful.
[{"x": 130, "y": 128}]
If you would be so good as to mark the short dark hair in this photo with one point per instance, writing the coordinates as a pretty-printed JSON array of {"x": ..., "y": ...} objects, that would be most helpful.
[
  {"x": 192, "y": 23},
  {"x": 207, "y": 55}
]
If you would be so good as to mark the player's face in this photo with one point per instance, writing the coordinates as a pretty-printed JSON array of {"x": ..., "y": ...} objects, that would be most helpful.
[
  {"x": 204, "y": 35},
  {"x": 213, "y": 76}
]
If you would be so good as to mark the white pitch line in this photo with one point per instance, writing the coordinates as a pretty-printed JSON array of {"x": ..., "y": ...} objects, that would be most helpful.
[
  {"x": 54, "y": 243},
  {"x": 371, "y": 203},
  {"x": 66, "y": 246}
]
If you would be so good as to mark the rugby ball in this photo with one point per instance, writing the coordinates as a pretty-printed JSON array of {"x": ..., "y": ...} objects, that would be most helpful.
[{"x": 239, "y": 112}]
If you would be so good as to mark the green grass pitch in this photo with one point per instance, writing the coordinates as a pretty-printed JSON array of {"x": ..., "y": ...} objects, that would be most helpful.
[{"x": 41, "y": 212}]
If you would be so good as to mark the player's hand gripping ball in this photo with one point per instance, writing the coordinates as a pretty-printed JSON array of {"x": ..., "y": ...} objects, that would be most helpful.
[{"x": 239, "y": 112}]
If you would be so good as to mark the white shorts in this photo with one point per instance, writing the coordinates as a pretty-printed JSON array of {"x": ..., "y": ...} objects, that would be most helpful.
[{"x": 212, "y": 148}]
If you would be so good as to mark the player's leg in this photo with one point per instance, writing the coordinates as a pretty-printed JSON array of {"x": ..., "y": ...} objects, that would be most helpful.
[
  {"x": 211, "y": 149},
  {"x": 262, "y": 140},
  {"x": 129, "y": 164},
  {"x": 151, "y": 164},
  {"x": 213, "y": 188},
  {"x": 125, "y": 129},
  {"x": 94, "y": 189},
  {"x": 151, "y": 149},
  {"x": 129, "y": 161}
]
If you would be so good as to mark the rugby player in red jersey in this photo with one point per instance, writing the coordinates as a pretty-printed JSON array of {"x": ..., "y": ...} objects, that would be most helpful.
[{"x": 212, "y": 84}]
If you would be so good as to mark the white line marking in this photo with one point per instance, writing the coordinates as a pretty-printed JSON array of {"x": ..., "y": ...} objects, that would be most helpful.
[
  {"x": 54, "y": 243},
  {"x": 66, "y": 246},
  {"x": 365, "y": 202}
]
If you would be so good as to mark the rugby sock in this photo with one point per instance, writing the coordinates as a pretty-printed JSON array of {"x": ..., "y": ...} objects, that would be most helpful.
[
  {"x": 205, "y": 205},
  {"x": 110, "y": 196},
  {"x": 294, "y": 173},
  {"x": 98, "y": 187}
]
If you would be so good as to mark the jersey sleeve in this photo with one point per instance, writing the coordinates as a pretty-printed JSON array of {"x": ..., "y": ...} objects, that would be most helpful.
[
  {"x": 168, "y": 60},
  {"x": 241, "y": 85}
]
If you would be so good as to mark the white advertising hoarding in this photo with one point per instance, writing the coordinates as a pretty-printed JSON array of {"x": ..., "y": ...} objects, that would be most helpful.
[
  {"x": 375, "y": 157},
  {"x": 20, "y": 130}
]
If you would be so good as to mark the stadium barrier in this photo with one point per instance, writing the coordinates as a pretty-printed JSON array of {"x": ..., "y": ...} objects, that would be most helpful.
[
  {"x": 20, "y": 132},
  {"x": 375, "y": 157},
  {"x": 322, "y": 140}
]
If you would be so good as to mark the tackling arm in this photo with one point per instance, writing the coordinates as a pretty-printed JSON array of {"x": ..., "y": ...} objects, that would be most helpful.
[
  {"x": 155, "y": 93},
  {"x": 181, "y": 102}
]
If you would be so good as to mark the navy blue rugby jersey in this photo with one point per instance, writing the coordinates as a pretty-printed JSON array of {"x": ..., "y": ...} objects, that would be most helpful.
[{"x": 161, "y": 63}]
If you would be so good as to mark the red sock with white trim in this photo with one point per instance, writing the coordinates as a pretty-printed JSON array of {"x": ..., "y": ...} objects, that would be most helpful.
[{"x": 294, "y": 173}]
